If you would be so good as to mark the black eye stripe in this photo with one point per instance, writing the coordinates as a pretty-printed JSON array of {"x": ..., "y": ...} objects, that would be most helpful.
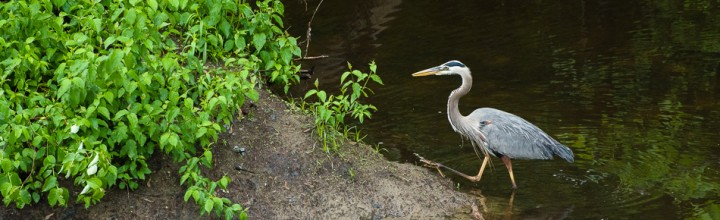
[{"x": 454, "y": 63}]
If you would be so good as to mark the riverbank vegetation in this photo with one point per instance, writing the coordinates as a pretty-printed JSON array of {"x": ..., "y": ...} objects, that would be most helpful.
[
  {"x": 92, "y": 89},
  {"x": 330, "y": 110}
]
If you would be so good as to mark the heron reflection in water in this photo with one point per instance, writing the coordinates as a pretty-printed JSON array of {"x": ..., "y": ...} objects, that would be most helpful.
[{"x": 492, "y": 131}]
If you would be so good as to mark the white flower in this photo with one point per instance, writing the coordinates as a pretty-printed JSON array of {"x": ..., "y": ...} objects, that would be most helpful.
[
  {"x": 87, "y": 187},
  {"x": 92, "y": 167},
  {"x": 92, "y": 170},
  {"x": 81, "y": 146},
  {"x": 74, "y": 129},
  {"x": 67, "y": 175}
]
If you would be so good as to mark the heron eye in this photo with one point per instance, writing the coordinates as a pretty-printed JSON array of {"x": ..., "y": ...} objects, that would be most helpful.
[{"x": 483, "y": 123}]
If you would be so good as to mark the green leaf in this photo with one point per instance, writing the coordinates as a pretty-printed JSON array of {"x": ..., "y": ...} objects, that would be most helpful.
[
  {"x": 54, "y": 195},
  {"x": 225, "y": 28},
  {"x": 322, "y": 96},
  {"x": 259, "y": 41},
  {"x": 239, "y": 42},
  {"x": 201, "y": 132},
  {"x": 49, "y": 160},
  {"x": 175, "y": 4},
  {"x": 77, "y": 92},
  {"x": 17, "y": 131},
  {"x": 188, "y": 104},
  {"x": 153, "y": 4},
  {"x": 209, "y": 205},
  {"x": 5, "y": 188},
  {"x": 91, "y": 109},
  {"x": 132, "y": 118},
  {"x": 218, "y": 203},
  {"x": 229, "y": 44},
  {"x": 208, "y": 158},
  {"x": 6, "y": 165},
  {"x": 146, "y": 79},
  {"x": 173, "y": 140},
  {"x": 228, "y": 214},
  {"x": 24, "y": 197},
  {"x": 104, "y": 111},
  {"x": 50, "y": 183},
  {"x": 196, "y": 195},
  {"x": 164, "y": 139},
  {"x": 35, "y": 197},
  {"x": 109, "y": 96},
  {"x": 188, "y": 193},
  {"x": 65, "y": 196},
  {"x": 286, "y": 55},
  {"x": 113, "y": 63},
  {"x": 310, "y": 93},
  {"x": 212, "y": 103},
  {"x": 252, "y": 94},
  {"x": 357, "y": 89},
  {"x": 377, "y": 79},
  {"x": 64, "y": 87},
  {"x": 173, "y": 113},
  {"x": 108, "y": 41},
  {"x": 80, "y": 38},
  {"x": 344, "y": 75},
  {"x": 183, "y": 4},
  {"x": 119, "y": 114},
  {"x": 60, "y": 71},
  {"x": 224, "y": 182},
  {"x": 95, "y": 183},
  {"x": 183, "y": 179},
  {"x": 129, "y": 149},
  {"x": 97, "y": 24},
  {"x": 58, "y": 3}
]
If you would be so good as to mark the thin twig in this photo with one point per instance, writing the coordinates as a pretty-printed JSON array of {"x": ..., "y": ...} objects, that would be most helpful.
[
  {"x": 313, "y": 57},
  {"x": 307, "y": 45}
]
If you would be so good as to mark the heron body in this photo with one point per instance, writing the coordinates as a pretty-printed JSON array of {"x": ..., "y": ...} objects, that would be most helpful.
[
  {"x": 495, "y": 132},
  {"x": 514, "y": 137}
]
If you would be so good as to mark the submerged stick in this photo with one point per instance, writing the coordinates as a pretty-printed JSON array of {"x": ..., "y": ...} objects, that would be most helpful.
[{"x": 436, "y": 165}]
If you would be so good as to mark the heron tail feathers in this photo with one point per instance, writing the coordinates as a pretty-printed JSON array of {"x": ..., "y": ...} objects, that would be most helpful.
[{"x": 564, "y": 152}]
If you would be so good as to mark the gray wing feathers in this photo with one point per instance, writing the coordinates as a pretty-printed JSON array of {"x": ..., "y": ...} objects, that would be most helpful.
[{"x": 512, "y": 136}]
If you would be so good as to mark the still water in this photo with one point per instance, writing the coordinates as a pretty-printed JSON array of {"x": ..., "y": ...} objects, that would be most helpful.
[{"x": 632, "y": 87}]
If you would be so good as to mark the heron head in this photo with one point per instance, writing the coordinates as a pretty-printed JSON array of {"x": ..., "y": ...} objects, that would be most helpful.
[{"x": 452, "y": 67}]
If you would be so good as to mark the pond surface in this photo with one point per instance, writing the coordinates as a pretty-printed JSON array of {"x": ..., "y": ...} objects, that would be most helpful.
[{"x": 632, "y": 87}]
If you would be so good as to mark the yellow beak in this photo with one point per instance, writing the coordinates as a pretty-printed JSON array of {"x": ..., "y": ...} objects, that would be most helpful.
[{"x": 427, "y": 72}]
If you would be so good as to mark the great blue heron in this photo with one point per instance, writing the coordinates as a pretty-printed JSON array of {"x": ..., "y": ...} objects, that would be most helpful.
[{"x": 494, "y": 132}]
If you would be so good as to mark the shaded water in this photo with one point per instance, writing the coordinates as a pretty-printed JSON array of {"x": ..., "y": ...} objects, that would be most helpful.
[{"x": 631, "y": 87}]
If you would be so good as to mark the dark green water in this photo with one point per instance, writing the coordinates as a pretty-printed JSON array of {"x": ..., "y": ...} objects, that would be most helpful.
[{"x": 632, "y": 87}]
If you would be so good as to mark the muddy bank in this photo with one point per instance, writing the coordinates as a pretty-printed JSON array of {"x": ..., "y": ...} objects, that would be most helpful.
[{"x": 285, "y": 175}]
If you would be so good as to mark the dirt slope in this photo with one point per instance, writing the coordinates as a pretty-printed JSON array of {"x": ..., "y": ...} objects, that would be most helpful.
[{"x": 285, "y": 175}]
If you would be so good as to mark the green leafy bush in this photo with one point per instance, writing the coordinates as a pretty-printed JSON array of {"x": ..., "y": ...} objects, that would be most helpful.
[
  {"x": 331, "y": 110},
  {"x": 92, "y": 89}
]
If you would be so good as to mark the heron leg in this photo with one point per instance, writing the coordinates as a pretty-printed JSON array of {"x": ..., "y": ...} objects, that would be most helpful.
[
  {"x": 508, "y": 164},
  {"x": 482, "y": 169}
]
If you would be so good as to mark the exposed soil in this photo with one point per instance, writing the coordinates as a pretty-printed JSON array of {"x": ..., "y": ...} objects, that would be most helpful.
[{"x": 290, "y": 177}]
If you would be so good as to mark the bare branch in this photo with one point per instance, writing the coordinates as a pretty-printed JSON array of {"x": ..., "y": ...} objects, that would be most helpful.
[
  {"x": 309, "y": 29},
  {"x": 313, "y": 57}
]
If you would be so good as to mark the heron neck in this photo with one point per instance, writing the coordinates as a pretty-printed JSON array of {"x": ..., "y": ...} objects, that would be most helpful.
[{"x": 454, "y": 115}]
